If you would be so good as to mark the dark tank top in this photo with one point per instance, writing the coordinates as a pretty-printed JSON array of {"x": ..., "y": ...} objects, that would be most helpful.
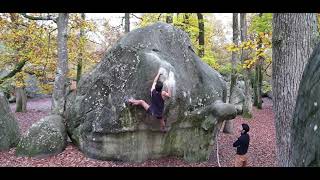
[{"x": 157, "y": 103}]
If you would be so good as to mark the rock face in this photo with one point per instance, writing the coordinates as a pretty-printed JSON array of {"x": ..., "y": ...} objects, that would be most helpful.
[
  {"x": 305, "y": 138},
  {"x": 45, "y": 137},
  {"x": 9, "y": 129},
  {"x": 237, "y": 98},
  {"x": 3, "y": 73},
  {"x": 32, "y": 88},
  {"x": 104, "y": 127}
]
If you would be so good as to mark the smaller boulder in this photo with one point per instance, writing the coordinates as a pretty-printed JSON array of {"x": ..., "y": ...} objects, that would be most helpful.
[
  {"x": 9, "y": 129},
  {"x": 224, "y": 111},
  {"x": 46, "y": 137},
  {"x": 12, "y": 99},
  {"x": 237, "y": 98}
]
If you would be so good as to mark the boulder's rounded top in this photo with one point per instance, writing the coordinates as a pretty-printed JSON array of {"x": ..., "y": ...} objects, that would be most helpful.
[{"x": 156, "y": 36}]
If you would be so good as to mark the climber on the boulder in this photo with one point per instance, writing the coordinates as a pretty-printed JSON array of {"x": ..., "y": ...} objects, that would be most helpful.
[{"x": 157, "y": 101}]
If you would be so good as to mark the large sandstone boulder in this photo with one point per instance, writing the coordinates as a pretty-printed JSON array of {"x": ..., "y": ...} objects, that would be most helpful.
[
  {"x": 104, "y": 127},
  {"x": 305, "y": 139},
  {"x": 45, "y": 137},
  {"x": 9, "y": 129}
]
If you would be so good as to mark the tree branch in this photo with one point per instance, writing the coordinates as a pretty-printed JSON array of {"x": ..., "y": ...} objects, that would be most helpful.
[
  {"x": 53, "y": 30},
  {"x": 16, "y": 69},
  {"x": 267, "y": 68},
  {"x": 159, "y": 16},
  {"x": 137, "y": 16},
  {"x": 100, "y": 37},
  {"x": 30, "y": 72},
  {"x": 20, "y": 24},
  {"x": 122, "y": 21},
  {"x": 185, "y": 24},
  {"x": 94, "y": 41},
  {"x": 48, "y": 17}
]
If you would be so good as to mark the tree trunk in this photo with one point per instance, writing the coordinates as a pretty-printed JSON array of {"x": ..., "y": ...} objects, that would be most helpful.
[
  {"x": 169, "y": 18},
  {"x": 79, "y": 65},
  {"x": 186, "y": 18},
  {"x": 294, "y": 37},
  {"x": 255, "y": 86},
  {"x": 259, "y": 81},
  {"x": 21, "y": 100},
  {"x": 201, "y": 34},
  {"x": 258, "y": 78},
  {"x": 228, "y": 126},
  {"x": 258, "y": 84},
  {"x": 60, "y": 82},
  {"x": 247, "y": 106},
  {"x": 127, "y": 22},
  {"x": 186, "y": 23}
]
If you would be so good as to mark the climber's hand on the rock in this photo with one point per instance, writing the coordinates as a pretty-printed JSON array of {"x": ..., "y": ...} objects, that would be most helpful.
[{"x": 161, "y": 71}]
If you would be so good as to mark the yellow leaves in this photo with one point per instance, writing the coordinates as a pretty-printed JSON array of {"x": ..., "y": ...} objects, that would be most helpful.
[
  {"x": 33, "y": 42},
  {"x": 261, "y": 55},
  {"x": 211, "y": 61},
  {"x": 265, "y": 39},
  {"x": 91, "y": 26},
  {"x": 268, "y": 60},
  {"x": 261, "y": 34},
  {"x": 232, "y": 48},
  {"x": 246, "y": 45},
  {"x": 216, "y": 66},
  {"x": 46, "y": 88},
  {"x": 20, "y": 78},
  {"x": 248, "y": 63},
  {"x": 86, "y": 25},
  {"x": 201, "y": 20},
  {"x": 229, "y": 47},
  {"x": 19, "y": 84},
  {"x": 72, "y": 74},
  {"x": 257, "y": 47},
  {"x": 82, "y": 41}
]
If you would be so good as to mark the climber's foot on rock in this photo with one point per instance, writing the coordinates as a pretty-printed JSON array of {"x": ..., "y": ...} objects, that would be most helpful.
[
  {"x": 128, "y": 100},
  {"x": 163, "y": 126},
  {"x": 163, "y": 129}
]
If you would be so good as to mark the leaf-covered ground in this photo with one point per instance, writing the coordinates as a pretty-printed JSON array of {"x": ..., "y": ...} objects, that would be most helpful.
[{"x": 261, "y": 151}]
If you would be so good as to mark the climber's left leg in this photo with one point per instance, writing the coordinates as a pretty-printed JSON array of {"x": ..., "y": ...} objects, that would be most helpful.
[{"x": 140, "y": 102}]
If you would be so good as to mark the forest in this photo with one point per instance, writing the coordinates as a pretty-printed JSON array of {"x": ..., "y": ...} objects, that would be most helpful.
[{"x": 75, "y": 90}]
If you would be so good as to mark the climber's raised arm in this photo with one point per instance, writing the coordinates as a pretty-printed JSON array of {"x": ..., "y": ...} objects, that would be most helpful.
[{"x": 155, "y": 81}]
